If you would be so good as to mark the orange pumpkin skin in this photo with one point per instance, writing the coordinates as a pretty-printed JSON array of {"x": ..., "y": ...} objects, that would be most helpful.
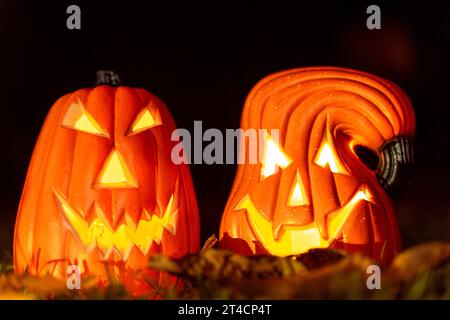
[
  {"x": 79, "y": 208},
  {"x": 322, "y": 114}
]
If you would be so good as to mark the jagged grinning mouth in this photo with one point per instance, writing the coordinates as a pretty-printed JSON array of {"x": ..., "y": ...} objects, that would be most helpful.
[
  {"x": 98, "y": 233},
  {"x": 299, "y": 239}
]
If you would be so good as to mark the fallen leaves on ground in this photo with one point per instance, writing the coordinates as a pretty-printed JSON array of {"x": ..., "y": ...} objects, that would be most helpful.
[{"x": 421, "y": 272}]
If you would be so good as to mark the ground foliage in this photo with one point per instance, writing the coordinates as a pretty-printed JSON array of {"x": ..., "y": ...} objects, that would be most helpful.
[{"x": 420, "y": 272}]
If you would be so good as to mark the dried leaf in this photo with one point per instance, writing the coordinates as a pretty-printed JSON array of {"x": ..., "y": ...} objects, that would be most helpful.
[
  {"x": 223, "y": 265},
  {"x": 14, "y": 295},
  {"x": 317, "y": 258},
  {"x": 345, "y": 279},
  {"x": 422, "y": 258},
  {"x": 44, "y": 285},
  {"x": 210, "y": 243}
]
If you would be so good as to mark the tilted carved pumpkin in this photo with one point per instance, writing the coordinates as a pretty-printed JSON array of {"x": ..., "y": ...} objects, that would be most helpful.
[
  {"x": 101, "y": 188},
  {"x": 316, "y": 187}
]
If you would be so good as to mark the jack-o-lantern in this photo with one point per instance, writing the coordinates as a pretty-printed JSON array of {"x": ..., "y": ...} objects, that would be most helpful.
[
  {"x": 318, "y": 185},
  {"x": 101, "y": 188}
]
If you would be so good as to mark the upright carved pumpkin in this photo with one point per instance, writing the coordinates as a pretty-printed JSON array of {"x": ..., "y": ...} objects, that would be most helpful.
[
  {"x": 312, "y": 188},
  {"x": 101, "y": 188}
]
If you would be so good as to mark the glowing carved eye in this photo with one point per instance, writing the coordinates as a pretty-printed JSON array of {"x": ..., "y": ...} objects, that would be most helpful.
[
  {"x": 327, "y": 155},
  {"x": 145, "y": 120},
  {"x": 273, "y": 157},
  {"x": 78, "y": 118}
]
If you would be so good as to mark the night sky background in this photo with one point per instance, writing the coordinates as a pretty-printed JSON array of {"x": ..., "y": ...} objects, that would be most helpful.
[{"x": 202, "y": 59}]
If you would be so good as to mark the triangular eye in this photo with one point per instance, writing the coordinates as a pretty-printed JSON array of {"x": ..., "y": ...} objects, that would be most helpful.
[
  {"x": 78, "y": 118},
  {"x": 327, "y": 156},
  {"x": 273, "y": 157},
  {"x": 145, "y": 120}
]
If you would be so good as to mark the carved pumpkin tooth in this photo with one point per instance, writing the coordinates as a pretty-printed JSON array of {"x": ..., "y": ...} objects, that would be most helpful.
[
  {"x": 145, "y": 215},
  {"x": 130, "y": 221},
  {"x": 107, "y": 219}
]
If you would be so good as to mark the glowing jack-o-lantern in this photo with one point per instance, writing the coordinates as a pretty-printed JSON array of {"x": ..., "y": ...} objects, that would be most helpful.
[
  {"x": 101, "y": 188},
  {"x": 316, "y": 187}
]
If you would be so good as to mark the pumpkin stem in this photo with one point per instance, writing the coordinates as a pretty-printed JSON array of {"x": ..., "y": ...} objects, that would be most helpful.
[
  {"x": 396, "y": 160},
  {"x": 107, "y": 77}
]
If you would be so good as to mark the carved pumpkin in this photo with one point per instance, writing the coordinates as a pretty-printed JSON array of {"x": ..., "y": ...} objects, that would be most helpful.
[
  {"x": 314, "y": 186},
  {"x": 101, "y": 188}
]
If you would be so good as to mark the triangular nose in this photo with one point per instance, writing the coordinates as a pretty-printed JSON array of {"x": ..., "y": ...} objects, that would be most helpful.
[
  {"x": 297, "y": 196},
  {"x": 115, "y": 173}
]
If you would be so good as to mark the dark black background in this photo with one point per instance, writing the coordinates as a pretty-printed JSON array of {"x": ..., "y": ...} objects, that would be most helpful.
[{"x": 202, "y": 58}]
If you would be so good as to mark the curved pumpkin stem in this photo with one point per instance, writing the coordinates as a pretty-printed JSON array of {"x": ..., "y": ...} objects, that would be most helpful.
[
  {"x": 107, "y": 77},
  {"x": 396, "y": 160}
]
